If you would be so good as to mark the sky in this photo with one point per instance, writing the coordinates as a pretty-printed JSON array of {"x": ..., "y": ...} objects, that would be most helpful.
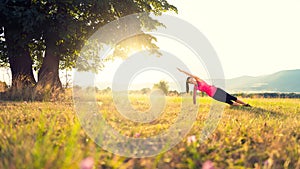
[{"x": 253, "y": 38}]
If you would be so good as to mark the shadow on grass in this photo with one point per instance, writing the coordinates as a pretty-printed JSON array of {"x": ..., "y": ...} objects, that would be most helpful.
[{"x": 259, "y": 111}]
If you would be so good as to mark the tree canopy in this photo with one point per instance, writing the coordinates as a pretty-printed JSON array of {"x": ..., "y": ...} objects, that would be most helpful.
[
  {"x": 46, "y": 35},
  {"x": 162, "y": 85}
]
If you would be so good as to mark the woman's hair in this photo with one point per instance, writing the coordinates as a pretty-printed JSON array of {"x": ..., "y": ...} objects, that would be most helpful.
[{"x": 187, "y": 84}]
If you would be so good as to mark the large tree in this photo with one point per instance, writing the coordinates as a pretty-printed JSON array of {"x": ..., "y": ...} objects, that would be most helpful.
[
  {"x": 48, "y": 35},
  {"x": 18, "y": 26}
]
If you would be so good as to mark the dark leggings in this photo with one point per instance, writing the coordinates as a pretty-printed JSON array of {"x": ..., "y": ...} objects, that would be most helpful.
[{"x": 223, "y": 96}]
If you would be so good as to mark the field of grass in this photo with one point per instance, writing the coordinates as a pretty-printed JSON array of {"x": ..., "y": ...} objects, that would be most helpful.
[{"x": 49, "y": 135}]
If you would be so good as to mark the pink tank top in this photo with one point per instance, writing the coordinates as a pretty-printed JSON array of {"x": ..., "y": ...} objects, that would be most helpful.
[{"x": 208, "y": 89}]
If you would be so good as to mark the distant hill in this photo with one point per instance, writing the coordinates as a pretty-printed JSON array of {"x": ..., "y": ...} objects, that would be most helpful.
[{"x": 283, "y": 81}]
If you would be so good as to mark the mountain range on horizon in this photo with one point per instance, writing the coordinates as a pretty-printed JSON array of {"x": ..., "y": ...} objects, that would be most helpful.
[
  {"x": 286, "y": 81},
  {"x": 282, "y": 81}
]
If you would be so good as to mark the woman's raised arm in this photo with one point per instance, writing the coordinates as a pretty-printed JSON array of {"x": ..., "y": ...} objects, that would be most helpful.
[{"x": 191, "y": 75}]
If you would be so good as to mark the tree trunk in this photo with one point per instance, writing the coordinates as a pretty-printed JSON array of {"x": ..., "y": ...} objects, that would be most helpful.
[
  {"x": 20, "y": 63},
  {"x": 49, "y": 73},
  {"x": 21, "y": 70},
  {"x": 49, "y": 83}
]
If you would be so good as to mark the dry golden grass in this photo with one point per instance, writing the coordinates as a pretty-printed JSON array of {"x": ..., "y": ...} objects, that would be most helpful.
[{"x": 48, "y": 135}]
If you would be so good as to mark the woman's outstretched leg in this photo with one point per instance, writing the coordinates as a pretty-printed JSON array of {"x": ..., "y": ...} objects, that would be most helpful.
[
  {"x": 235, "y": 104},
  {"x": 242, "y": 103}
]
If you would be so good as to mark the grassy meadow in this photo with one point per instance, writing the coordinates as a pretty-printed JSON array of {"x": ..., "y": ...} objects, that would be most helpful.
[{"x": 49, "y": 135}]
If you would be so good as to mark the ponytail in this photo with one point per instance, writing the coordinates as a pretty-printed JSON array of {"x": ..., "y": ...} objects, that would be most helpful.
[
  {"x": 187, "y": 87},
  {"x": 187, "y": 84}
]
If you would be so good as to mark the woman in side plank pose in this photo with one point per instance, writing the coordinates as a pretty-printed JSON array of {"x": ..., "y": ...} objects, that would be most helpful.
[{"x": 212, "y": 91}]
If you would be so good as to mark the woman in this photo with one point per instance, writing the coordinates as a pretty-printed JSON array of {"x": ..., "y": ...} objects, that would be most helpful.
[{"x": 212, "y": 91}]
